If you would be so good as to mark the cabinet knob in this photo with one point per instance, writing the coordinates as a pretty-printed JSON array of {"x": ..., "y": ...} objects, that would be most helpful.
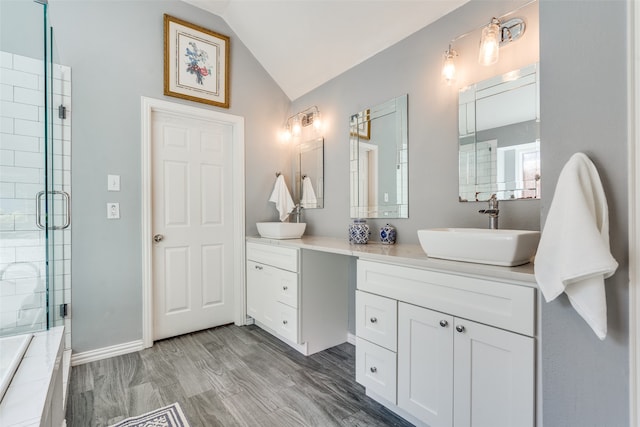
[
  {"x": 374, "y": 320},
  {"x": 284, "y": 288},
  {"x": 284, "y": 322},
  {"x": 460, "y": 328},
  {"x": 373, "y": 369},
  {"x": 444, "y": 323},
  {"x": 258, "y": 267}
]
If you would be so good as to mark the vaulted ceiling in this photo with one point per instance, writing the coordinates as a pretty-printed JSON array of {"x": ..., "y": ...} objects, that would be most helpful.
[{"x": 305, "y": 43}]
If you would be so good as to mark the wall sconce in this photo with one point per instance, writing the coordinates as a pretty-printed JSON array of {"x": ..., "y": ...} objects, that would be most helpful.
[
  {"x": 294, "y": 124},
  {"x": 496, "y": 35},
  {"x": 449, "y": 66}
]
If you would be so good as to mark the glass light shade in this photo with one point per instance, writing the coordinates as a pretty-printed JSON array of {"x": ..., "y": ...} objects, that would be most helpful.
[
  {"x": 296, "y": 127},
  {"x": 317, "y": 121},
  {"x": 285, "y": 136},
  {"x": 449, "y": 67},
  {"x": 490, "y": 43}
]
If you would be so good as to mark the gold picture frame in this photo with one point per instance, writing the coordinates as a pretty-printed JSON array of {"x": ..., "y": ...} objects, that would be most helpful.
[
  {"x": 361, "y": 124},
  {"x": 196, "y": 63}
]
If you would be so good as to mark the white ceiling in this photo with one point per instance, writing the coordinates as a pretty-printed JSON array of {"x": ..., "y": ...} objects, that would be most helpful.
[{"x": 305, "y": 43}]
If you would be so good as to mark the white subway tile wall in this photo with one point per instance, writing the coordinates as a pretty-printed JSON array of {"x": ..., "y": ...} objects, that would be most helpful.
[{"x": 22, "y": 152}]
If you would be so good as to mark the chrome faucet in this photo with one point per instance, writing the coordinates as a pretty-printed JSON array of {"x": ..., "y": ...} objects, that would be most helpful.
[
  {"x": 493, "y": 212},
  {"x": 297, "y": 212}
]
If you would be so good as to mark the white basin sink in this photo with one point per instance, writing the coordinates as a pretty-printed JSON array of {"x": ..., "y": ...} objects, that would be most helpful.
[
  {"x": 496, "y": 247},
  {"x": 281, "y": 230}
]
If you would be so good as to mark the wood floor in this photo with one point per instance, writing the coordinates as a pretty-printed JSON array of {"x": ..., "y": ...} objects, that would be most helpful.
[{"x": 227, "y": 376}]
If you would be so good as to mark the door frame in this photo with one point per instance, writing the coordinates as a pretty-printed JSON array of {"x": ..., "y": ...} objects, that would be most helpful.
[
  {"x": 633, "y": 82},
  {"x": 149, "y": 106}
]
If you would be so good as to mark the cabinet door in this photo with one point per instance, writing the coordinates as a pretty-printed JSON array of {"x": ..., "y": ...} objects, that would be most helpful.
[
  {"x": 493, "y": 377},
  {"x": 425, "y": 364},
  {"x": 261, "y": 281}
]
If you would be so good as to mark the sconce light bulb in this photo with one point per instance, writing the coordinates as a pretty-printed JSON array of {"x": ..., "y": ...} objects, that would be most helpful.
[
  {"x": 285, "y": 135},
  {"x": 490, "y": 43},
  {"x": 449, "y": 66},
  {"x": 317, "y": 121},
  {"x": 296, "y": 127}
]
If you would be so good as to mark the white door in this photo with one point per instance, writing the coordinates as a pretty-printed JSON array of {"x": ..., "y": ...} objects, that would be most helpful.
[
  {"x": 425, "y": 364},
  {"x": 493, "y": 377},
  {"x": 192, "y": 223}
]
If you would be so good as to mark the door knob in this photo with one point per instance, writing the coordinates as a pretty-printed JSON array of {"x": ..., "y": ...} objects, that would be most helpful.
[{"x": 158, "y": 238}]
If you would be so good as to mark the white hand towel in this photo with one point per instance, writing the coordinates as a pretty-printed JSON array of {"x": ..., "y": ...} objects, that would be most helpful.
[
  {"x": 308, "y": 199},
  {"x": 574, "y": 255},
  {"x": 282, "y": 198}
]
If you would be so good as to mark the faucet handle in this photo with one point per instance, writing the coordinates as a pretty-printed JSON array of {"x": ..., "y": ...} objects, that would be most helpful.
[{"x": 493, "y": 201}]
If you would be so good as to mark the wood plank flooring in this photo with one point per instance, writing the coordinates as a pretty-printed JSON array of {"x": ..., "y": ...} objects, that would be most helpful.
[{"x": 227, "y": 376}]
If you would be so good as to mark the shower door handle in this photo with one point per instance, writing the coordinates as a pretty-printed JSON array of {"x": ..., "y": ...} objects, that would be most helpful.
[{"x": 67, "y": 210}]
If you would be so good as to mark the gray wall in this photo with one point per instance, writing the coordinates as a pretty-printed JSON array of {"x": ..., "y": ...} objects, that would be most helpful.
[
  {"x": 584, "y": 108},
  {"x": 115, "y": 50},
  {"x": 413, "y": 66},
  {"x": 22, "y": 28}
]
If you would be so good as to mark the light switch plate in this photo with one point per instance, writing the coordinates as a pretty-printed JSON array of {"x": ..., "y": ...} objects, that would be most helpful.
[
  {"x": 113, "y": 210},
  {"x": 113, "y": 182}
]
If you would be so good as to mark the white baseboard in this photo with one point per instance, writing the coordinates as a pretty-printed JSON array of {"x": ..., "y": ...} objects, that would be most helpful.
[
  {"x": 106, "y": 352},
  {"x": 351, "y": 339}
]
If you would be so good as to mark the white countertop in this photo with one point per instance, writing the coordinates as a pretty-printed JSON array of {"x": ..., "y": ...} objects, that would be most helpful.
[{"x": 406, "y": 254}]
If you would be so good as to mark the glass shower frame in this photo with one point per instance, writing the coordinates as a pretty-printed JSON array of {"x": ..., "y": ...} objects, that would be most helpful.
[{"x": 35, "y": 235}]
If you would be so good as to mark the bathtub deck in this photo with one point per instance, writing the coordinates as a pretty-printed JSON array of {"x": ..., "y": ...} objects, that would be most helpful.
[{"x": 36, "y": 389}]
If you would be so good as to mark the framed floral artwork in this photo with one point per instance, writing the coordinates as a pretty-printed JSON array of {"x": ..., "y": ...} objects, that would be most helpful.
[{"x": 196, "y": 63}]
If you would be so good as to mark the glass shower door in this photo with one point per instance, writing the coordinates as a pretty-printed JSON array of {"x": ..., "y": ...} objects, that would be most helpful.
[{"x": 32, "y": 267}]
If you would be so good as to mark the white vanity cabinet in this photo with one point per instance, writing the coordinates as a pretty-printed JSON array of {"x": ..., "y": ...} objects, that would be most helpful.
[
  {"x": 465, "y": 346},
  {"x": 306, "y": 308}
]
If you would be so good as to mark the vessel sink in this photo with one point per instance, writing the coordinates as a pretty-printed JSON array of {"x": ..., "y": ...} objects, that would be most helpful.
[
  {"x": 281, "y": 230},
  {"x": 495, "y": 247}
]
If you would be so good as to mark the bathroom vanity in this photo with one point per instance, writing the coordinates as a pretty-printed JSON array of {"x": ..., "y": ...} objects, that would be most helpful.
[{"x": 441, "y": 343}]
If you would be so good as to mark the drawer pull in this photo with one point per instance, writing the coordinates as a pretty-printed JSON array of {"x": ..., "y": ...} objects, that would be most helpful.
[
  {"x": 373, "y": 320},
  {"x": 258, "y": 267},
  {"x": 444, "y": 323},
  {"x": 284, "y": 322},
  {"x": 284, "y": 288},
  {"x": 460, "y": 328},
  {"x": 373, "y": 369}
]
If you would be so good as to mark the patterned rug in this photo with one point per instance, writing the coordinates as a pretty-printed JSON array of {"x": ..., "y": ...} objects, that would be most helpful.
[{"x": 169, "y": 416}]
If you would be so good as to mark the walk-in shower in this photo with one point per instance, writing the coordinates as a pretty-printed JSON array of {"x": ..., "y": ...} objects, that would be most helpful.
[{"x": 35, "y": 173}]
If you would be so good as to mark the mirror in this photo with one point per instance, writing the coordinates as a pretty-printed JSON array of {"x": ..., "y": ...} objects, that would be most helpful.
[
  {"x": 378, "y": 161},
  {"x": 499, "y": 137},
  {"x": 308, "y": 173}
]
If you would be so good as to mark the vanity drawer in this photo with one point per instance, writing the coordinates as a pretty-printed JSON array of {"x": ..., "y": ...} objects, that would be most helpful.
[
  {"x": 499, "y": 304},
  {"x": 287, "y": 288},
  {"x": 377, "y": 319},
  {"x": 376, "y": 369},
  {"x": 284, "y": 258},
  {"x": 287, "y": 322}
]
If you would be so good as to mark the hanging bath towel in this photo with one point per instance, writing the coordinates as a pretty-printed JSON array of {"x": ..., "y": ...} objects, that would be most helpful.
[
  {"x": 282, "y": 198},
  {"x": 574, "y": 255},
  {"x": 308, "y": 199}
]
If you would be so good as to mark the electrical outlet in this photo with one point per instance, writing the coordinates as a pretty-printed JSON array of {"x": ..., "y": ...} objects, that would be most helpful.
[{"x": 113, "y": 210}]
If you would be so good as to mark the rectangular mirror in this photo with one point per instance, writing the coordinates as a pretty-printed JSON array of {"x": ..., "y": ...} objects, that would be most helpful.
[
  {"x": 378, "y": 161},
  {"x": 499, "y": 137},
  {"x": 308, "y": 174}
]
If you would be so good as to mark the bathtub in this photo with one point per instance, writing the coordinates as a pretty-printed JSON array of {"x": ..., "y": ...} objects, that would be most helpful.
[{"x": 11, "y": 351}]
